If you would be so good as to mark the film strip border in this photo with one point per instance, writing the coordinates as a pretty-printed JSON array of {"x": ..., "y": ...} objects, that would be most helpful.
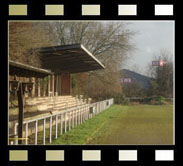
[
  {"x": 90, "y": 155},
  {"x": 94, "y": 10}
]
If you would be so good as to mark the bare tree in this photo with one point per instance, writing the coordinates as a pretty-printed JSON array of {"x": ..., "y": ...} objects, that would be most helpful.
[
  {"x": 24, "y": 37},
  {"x": 108, "y": 41},
  {"x": 163, "y": 83}
]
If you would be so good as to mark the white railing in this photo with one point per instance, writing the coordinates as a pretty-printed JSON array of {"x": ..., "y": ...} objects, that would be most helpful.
[{"x": 66, "y": 119}]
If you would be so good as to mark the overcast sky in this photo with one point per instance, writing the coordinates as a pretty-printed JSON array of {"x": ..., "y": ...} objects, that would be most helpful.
[{"x": 151, "y": 37}]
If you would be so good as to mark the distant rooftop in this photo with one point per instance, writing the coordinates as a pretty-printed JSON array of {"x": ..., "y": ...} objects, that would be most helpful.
[{"x": 140, "y": 79}]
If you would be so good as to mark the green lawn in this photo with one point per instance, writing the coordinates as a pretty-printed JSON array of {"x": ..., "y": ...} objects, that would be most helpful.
[{"x": 140, "y": 124}]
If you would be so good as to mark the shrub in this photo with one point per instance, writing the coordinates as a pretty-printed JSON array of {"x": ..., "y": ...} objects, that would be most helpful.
[
  {"x": 121, "y": 99},
  {"x": 160, "y": 100},
  {"x": 125, "y": 101}
]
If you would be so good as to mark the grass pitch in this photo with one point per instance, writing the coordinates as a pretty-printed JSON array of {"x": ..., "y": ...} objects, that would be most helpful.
[{"x": 126, "y": 125}]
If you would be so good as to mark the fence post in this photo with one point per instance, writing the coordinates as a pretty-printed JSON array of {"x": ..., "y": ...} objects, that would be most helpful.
[
  {"x": 44, "y": 133},
  {"x": 87, "y": 112},
  {"x": 61, "y": 126},
  {"x": 76, "y": 116},
  {"x": 81, "y": 112},
  {"x": 72, "y": 118},
  {"x": 50, "y": 129},
  {"x": 36, "y": 130},
  {"x": 65, "y": 122},
  {"x": 79, "y": 115},
  {"x": 15, "y": 133},
  {"x": 56, "y": 126},
  {"x": 98, "y": 108},
  {"x": 69, "y": 120},
  {"x": 26, "y": 133},
  {"x": 84, "y": 113}
]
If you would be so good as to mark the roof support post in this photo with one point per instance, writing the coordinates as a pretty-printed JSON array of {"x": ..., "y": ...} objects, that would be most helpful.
[
  {"x": 59, "y": 85},
  {"x": 55, "y": 85},
  {"x": 33, "y": 88},
  {"x": 25, "y": 80},
  {"x": 38, "y": 88},
  {"x": 48, "y": 85},
  {"x": 57, "y": 81},
  {"x": 53, "y": 80},
  {"x": 43, "y": 81},
  {"x": 21, "y": 113}
]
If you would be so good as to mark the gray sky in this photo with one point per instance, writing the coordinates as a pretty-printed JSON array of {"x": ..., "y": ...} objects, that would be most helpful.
[{"x": 151, "y": 37}]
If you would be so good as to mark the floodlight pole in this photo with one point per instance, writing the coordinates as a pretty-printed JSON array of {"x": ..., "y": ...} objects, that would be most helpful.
[{"x": 21, "y": 113}]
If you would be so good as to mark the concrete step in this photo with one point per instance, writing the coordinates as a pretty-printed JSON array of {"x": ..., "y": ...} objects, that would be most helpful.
[
  {"x": 44, "y": 103},
  {"x": 62, "y": 103},
  {"x": 41, "y": 107},
  {"x": 63, "y": 107},
  {"x": 47, "y": 98},
  {"x": 50, "y": 100}
]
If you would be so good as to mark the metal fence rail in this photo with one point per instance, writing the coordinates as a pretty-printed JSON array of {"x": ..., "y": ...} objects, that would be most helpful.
[{"x": 67, "y": 120}]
